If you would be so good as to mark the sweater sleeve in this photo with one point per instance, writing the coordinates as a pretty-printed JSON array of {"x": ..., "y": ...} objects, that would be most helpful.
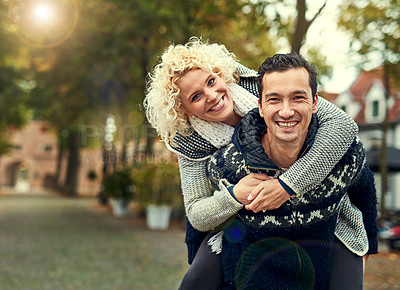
[
  {"x": 335, "y": 134},
  {"x": 205, "y": 209},
  {"x": 362, "y": 194}
]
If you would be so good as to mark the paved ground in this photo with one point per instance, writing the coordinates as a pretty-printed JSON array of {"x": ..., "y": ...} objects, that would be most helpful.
[{"x": 51, "y": 242}]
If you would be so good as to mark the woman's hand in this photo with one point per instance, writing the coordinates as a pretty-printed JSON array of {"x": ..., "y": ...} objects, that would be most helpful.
[
  {"x": 246, "y": 185},
  {"x": 268, "y": 195}
]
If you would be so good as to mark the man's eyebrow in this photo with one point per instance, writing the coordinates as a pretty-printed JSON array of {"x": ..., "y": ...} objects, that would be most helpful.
[
  {"x": 275, "y": 94},
  {"x": 303, "y": 92},
  {"x": 272, "y": 94}
]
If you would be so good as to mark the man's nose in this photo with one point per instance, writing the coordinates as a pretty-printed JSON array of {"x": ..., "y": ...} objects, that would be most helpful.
[{"x": 286, "y": 111}]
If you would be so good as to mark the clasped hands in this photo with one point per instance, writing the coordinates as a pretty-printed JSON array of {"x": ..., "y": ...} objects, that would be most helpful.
[{"x": 260, "y": 192}]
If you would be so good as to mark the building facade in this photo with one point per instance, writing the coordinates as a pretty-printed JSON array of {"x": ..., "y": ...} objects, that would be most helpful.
[
  {"x": 365, "y": 102},
  {"x": 32, "y": 163}
]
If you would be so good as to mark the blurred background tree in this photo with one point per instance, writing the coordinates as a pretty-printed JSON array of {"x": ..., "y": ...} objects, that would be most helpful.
[
  {"x": 13, "y": 96},
  {"x": 375, "y": 29},
  {"x": 13, "y": 87},
  {"x": 93, "y": 65}
]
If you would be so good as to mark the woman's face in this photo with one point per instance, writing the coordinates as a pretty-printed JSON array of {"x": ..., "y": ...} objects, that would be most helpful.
[{"x": 206, "y": 96}]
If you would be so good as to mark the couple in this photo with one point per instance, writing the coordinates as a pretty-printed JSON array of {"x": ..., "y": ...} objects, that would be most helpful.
[{"x": 291, "y": 189}]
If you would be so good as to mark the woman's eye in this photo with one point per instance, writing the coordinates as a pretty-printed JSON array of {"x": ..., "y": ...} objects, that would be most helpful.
[
  {"x": 211, "y": 81},
  {"x": 195, "y": 97}
]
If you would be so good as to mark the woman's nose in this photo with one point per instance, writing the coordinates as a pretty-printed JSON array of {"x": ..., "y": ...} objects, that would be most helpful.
[{"x": 211, "y": 96}]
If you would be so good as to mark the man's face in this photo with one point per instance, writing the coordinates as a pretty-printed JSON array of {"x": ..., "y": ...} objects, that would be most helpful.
[{"x": 287, "y": 105}]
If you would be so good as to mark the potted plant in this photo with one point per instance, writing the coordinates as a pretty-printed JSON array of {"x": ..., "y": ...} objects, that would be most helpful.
[
  {"x": 118, "y": 186},
  {"x": 158, "y": 189}
]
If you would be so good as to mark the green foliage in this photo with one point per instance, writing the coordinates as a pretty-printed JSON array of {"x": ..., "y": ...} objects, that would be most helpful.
[
  {"x": 101, "y": 67},
  {"x": 320, "y": 62},
  {"x": 13, "y": 98},
  {"x": 158, "y": 183},
  {"x": 119, "y": 184},
  {"x": 5, "y": 145},
  {"x": 264, "y": 27},
  {"x": 375, "y": 27}
]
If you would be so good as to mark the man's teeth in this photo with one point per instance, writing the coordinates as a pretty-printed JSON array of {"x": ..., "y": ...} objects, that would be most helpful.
[
  {"x": 218, "y": 105},
  {"x": 287, "y": 125}
]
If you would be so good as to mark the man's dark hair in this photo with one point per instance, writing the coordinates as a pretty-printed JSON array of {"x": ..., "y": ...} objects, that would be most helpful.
[{"x": 284, "y": 62}]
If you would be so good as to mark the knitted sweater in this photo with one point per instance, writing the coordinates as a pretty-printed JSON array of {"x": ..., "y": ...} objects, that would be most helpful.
[
  {"x": 206, "y": 209},
  {"x": 289, "y": 247}
]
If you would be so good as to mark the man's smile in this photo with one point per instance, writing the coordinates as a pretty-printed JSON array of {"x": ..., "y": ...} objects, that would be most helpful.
[{"x": 287, "y": 124}]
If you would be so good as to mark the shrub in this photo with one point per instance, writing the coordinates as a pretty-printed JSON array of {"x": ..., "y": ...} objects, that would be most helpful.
[{"x": 119, "y": 184}]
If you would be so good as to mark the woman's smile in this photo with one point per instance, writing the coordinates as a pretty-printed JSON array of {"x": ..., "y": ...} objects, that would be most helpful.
[{"x": 219, "y": 105}]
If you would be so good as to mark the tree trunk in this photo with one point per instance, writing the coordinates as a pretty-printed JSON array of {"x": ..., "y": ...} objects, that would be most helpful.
[
  {"x": 124, "y": 138},
  {"x": 136, "y": 146},
  {"x": 385, "y": 127},
  {"x": 109, "y": 159},
  {"x": 145, "y": 65},
  {"x": 124, "y": 158},
  {"x": 302, "y": 24},
  {"x": 1, "y": 181},
  {"x": 58, "y": 165},
  {"x": 71, "y": 180}
]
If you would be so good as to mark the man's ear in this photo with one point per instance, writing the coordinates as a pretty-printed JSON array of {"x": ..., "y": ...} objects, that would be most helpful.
[
  {"x": 260, "y": 108},
  {"x": 315, "y": 104}
]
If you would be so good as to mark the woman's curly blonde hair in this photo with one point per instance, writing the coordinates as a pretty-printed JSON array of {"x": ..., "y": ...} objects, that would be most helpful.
[{"x": 162, "y": 102}]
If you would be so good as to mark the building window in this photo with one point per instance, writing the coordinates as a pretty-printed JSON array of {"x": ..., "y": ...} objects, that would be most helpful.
[
  {"x": 46, "y": 148},
  {"x": 17, "y": 147},
  {"x": 375, "y": 108}
]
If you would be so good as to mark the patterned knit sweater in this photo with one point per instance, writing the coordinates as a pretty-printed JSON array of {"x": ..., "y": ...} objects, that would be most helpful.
[
  {"x": 207, "y": 209},
  {"x": 289, "y": 247}
]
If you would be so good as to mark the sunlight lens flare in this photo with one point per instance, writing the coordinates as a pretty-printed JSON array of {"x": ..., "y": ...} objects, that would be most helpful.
[
  {"x": 43, "y": 23},
  {"x": 43, "y": 12}
]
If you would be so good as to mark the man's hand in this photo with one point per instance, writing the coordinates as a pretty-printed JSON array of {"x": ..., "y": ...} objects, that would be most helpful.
[
  {"x": 267, "y": 195},
  {"x": 246, "y": 185}
]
